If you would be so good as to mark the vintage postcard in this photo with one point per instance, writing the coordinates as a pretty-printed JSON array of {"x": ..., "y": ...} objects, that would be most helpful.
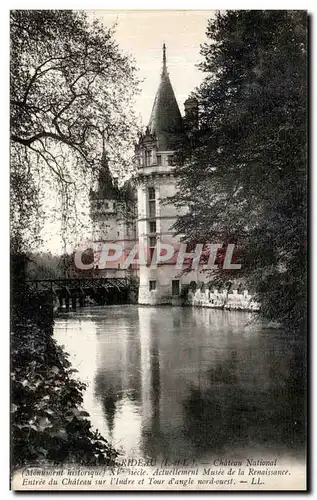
[{"x": 158, "y": 196}]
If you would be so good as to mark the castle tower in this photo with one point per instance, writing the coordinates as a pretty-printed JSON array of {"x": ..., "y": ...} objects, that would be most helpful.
[
  {"x": 114, "y": 219},
  {"x": 159, "y": 284},
  {"x": 104, "y": 204}
]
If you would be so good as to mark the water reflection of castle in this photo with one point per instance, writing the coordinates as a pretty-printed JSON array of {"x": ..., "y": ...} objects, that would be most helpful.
[{"x": 133, "y": 383}]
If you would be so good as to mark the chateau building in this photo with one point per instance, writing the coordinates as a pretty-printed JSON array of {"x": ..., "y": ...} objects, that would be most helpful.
[{"x": 141, "y": 212}]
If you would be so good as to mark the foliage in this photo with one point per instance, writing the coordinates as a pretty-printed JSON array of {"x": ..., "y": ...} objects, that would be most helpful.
[
  {"x": 242, "y": 172},
  {"x": 48, "y": 422},
  {"x": 71, "y": 98},
  {"x": 45, "y": 265}
]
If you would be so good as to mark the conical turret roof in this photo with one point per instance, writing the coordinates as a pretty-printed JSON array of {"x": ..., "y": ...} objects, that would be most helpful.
[
  {"x": 165, "y": 121},
  {"x": 106, "y": 189}
]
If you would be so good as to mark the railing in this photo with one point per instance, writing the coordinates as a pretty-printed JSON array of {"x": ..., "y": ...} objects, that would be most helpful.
[{"x": 79, "y": 283}]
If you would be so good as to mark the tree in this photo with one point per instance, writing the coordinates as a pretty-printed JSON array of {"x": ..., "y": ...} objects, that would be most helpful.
[
  {"x": 71, "y": 101},
  {"x": 71, "y": 96},
  {"x": 243, "y": 172}
]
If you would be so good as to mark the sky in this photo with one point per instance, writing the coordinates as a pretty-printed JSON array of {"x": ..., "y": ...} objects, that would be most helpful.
[{"x": 142, "y": 34}]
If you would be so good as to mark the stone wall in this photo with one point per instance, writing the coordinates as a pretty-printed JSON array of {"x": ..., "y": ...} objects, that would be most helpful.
[
  {"x": 161, "y": 296},
  {"x": 222, "y": 299}
]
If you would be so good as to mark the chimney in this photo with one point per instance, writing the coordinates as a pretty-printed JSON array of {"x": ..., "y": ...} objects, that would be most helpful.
[{"x": 191, "y": 112}]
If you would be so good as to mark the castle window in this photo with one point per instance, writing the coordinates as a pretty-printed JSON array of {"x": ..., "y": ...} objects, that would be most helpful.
[
  {"x": 175, "y": 287},
  {"x": 152, "y": 208},
  {"x": 159, "y": 159},
  {"x": 106, "y": 204},
  {"x": 152, "y": 285},
  {"x": 152, "y": 241},
  {"x": 153, "y": 226},
  {"x": 148, "y": 156},
  {"x": 151, "y": 198}
]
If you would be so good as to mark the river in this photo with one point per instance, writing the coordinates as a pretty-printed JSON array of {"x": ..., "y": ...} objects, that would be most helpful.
[{"x": 173, "y": 382}]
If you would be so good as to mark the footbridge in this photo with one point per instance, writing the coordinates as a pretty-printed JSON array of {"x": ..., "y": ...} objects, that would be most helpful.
[{"x": 78, "y": 292}]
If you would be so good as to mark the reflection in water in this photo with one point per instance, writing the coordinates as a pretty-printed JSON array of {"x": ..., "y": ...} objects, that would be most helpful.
[
  {"x": 151, "y": 386},
  {"x": 235, "y": 410},
  {"x": 173, "y": 382}
]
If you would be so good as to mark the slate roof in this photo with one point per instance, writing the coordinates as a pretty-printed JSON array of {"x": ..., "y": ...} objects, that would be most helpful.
[
  {"x": 165, "y": 121},
  {"x": 106, "y": 188}
]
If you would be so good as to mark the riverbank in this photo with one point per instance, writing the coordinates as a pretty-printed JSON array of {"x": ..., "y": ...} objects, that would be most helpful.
[{"x": 48, "y": 423}]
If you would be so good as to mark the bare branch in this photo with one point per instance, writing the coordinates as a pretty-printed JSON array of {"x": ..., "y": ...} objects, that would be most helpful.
[
  {"x": 64, "y": 181},
  {"x": 56, "y": 137},
  {"x": 38, "y": 73}
]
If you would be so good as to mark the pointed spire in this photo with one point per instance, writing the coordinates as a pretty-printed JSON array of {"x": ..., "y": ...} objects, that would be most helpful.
[
  {"x": 106, "y": 186},
  {"x": 164, "y": 71},
  {"x": 104, "y": 157},
  {"x": 165, "y": 120}
]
